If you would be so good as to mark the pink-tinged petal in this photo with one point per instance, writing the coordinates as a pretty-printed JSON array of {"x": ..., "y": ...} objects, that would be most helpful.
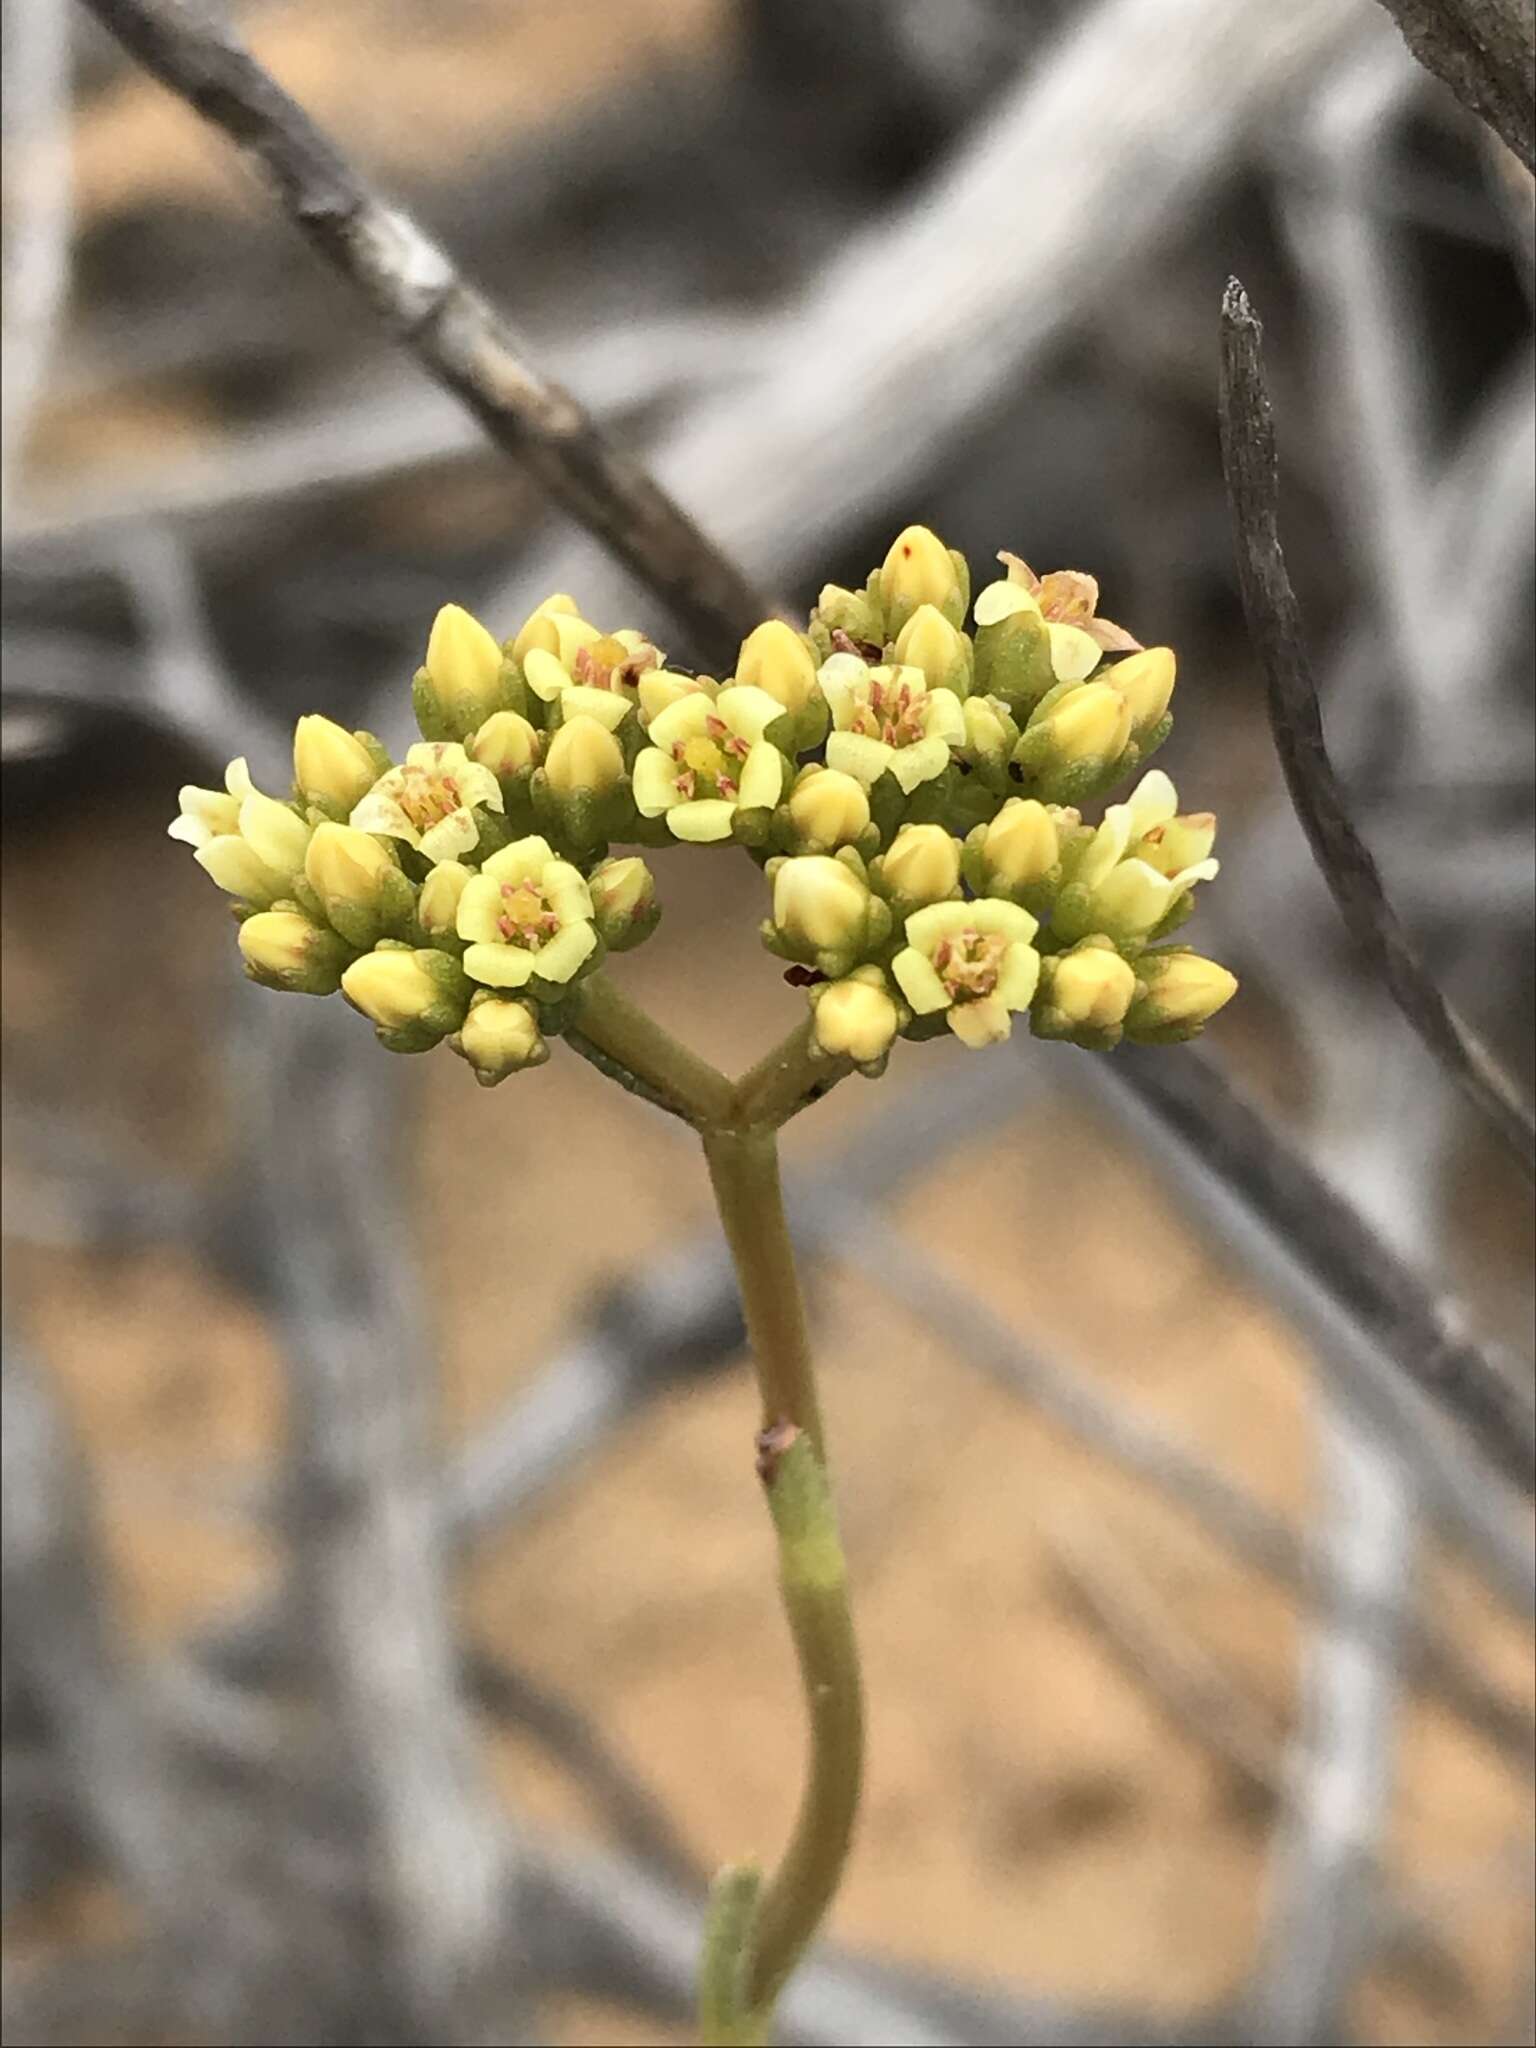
[
  {"x": 1070, "y": 595},
  {"x": 1019, "y": 570},
  {"x": 457, "y": 833},
  {"x": 379, "y": 812},
  {"x": 1112, "y": 638},
  {"x": 654, "y": 783},
  {"x": 983, "y": 1023}
]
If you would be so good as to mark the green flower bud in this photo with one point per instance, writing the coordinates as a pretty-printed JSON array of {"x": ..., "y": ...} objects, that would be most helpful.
[
  {"x": 824, "y": 913},
  {"x": 460, "y": 683},
  {"x": 921, "y": 867},
  {"x": 918, "y": 569},
  {"x": 624, "y": 906},
  {"x": 928, "y": 641},
  {"x": 499, "y": 1036},
  {"x": 856, "y": 1018},
  {"x": 286, "y": 951},
  {"x": 826, "y": 810},
  {"x": 1084, "y": 995},
  {"x": 331, "y": 766},
  {"x": 1180, "y": 992},
  {"x": 415, "y": 997}
]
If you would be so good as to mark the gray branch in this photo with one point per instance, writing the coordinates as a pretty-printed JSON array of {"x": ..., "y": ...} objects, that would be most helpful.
[
  {"x": 455, "y": 334},
  {"x": 1485, "y": 50},
  {"x": 1274, "y": 620}
]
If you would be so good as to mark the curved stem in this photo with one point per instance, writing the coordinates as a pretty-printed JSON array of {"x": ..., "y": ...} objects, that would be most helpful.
[{"x": 743, "y": 1166}]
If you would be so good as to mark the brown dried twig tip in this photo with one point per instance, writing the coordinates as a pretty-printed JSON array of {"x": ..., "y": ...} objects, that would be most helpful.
[
  {"x": 1485, "y": 50},
  {"x": 772, "y": 1443},
  {"x": 456, "y": 335},
  {"x": 1274, "y": 621}
]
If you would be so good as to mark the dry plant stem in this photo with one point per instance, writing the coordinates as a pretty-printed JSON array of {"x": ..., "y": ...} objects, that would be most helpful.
[
  {"x": 454, "y": 333},
  {"x": 1274, "y": 620}
]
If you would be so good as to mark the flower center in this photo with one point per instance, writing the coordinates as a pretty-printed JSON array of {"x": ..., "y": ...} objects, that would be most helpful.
[
  {"x": 708, "y": 763},
  {"x": 892, "y": 712},
  {"x": 428, "y": 795},
  {"x": 525, "y": 918},
  {"x": 609, "y": 665},
  {"x": 969, "y": 962}
]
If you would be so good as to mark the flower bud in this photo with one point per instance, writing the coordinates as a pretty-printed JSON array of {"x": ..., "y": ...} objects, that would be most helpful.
[
  {"x": 416, "y": 996},
  {"x": 1090, "y": 988},
  {"x": 347, "y": 865},
  {"x": 827, "y": 809},
  {"x": 824, "y": 914},
  {"x": 855, "y": 1018},
  {"x": 1090, "y": 723},
  {"x": 1181, "y": 992},
  {"x": 928, "y": 641},
  {"x": 462, "y": 673},
  {"x": 584, "y": 757},
  {"x": 240, "y": 871},
  {"x": 1145, "y": 681},
  {"x": 849, "y": 613},
  {"x": 922, "y": 866},
  {"x": 624, "y": 906},
  {"x": 918, "y": 570},
  {"x": 779, "y": 660},
  {"x": 286, "y": 951},
  {"x": 331, "y": 766},
  {"x": 554, "y": 627},
  {"x": 1019, "y": 847},
  {"x": 499, "y": 1036},
  {"x": 506, "y": 744},
  {"x": 274, "y": 832},
  {"x": 990, "y": 734},
  {"x": 437, "y": 907}
]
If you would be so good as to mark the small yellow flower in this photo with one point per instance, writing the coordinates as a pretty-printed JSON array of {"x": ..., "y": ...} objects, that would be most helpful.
[
  {"x": 499, "y": 1036},
  {"x": 973, "y": 961},
  {"x": 526, "y": 914},
  {"x": 1116, "y": 891},
  {"x": 554, "y": 627},
  {"x": 922, "y": 866},
  {"x": 430, "y": 802},
  {"x": 775, "y": 658},
  {"x": 828, "y": 809},
  {"x": 607, "y": 662},
  {"x": 251, "y": 845},
  {"x": 889, "y": 719},
  {"x": 584, "y": 758},
  {"x": 918, "y": 569},
  {"x": 855, "y": 1018},
  {"x": 707, "y": 760},
  {"x": 330, "y": 764}
]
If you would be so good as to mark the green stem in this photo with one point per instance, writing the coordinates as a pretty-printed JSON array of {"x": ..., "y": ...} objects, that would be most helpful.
[
  {"x": 743, "y": 1166},
  {"x": 632, "y": 1044},
  {"x": 787, "y": 1080}
]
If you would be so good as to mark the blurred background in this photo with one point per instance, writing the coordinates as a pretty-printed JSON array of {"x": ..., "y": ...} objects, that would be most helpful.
[{"x": 389, "y": 1639}]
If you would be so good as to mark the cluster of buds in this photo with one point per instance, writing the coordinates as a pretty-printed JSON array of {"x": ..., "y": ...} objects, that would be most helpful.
[{"x": 908, "y": 770}]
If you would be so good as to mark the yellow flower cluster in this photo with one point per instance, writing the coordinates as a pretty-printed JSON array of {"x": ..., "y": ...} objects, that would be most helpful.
[{"x": 911, "y": 786}]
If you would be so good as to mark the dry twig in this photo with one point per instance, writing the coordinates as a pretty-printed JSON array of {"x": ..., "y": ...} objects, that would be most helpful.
[
  {"x": 1485, "y": 50},
  {"x": 1274, "y": 620}
]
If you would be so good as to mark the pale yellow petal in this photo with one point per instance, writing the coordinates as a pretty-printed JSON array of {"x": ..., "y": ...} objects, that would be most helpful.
[
  {"x": 499, "y": 966},
  {"x": 654, "y": 782},
  {"x": 702, "y": 822},
  {"x": 918, "y": 981}
]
